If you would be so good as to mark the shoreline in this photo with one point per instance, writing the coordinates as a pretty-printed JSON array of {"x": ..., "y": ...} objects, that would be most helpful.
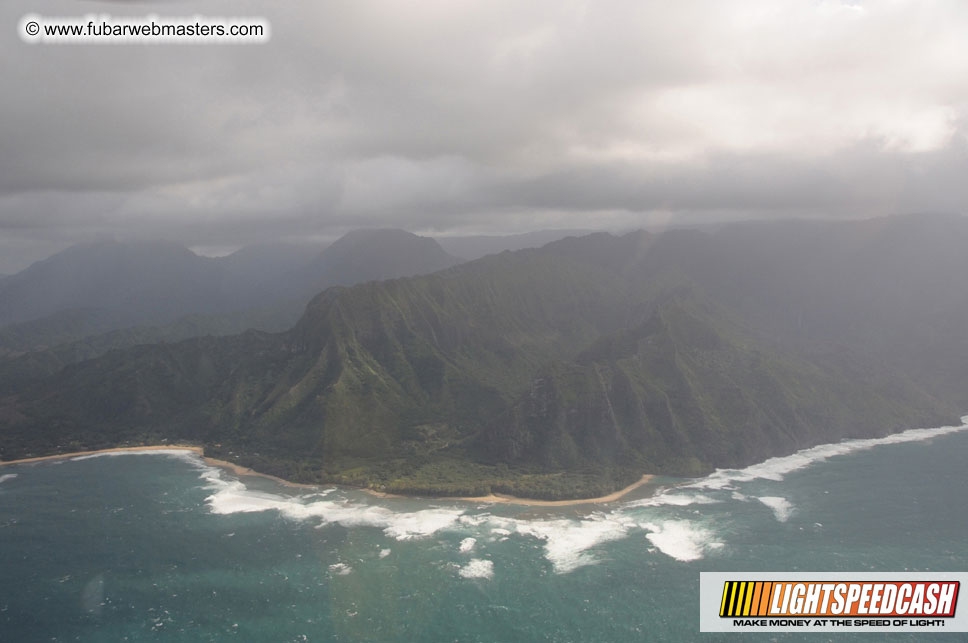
[
  {"x": 238, "y": 469},
  {"x": 515, "y": 500},
  {"x": 491, "y": 498},
  {"x": 197, "y": 450},
  {"x": 76, "y": 454},
  {"x": 246, "y": 471}
]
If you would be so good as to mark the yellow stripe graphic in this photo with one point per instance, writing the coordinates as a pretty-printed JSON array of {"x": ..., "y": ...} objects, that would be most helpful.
[{"x": 746, "y": 598}]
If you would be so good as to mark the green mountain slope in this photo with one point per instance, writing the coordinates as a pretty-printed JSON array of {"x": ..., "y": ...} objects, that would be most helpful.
[
  {"x": 262, "y": 287},
  {"x": 686, "y": 390},
  {"x": 558, "y": 372}
]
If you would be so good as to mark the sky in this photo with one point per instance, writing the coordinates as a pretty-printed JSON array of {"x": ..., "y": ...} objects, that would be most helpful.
[{"x": 457, "y": 117}]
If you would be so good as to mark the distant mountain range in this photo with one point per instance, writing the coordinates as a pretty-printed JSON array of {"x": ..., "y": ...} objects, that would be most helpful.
[
  {"x": 562, "y": 371},
  {"x": 156, "y": 291},
  {"x": 475, "y": 247},
  {"x": 156, "y": 282}
]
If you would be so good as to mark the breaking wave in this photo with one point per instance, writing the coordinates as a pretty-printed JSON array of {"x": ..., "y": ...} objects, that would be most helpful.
[
  {"x": 681, "y": 539},
  {"x": 673, "y": 520},
  {"x": 232, "y": 496},
  {"x": 478, "y": 568},
  {"x": 671, "y": 498},
  {"x": 186, "y": 454},
  {"x": 777, "y": 468},
  {"x": 340, "y": 569},
  {"x": 567, "y": 541},
  {"x": 781, "y": 507}
]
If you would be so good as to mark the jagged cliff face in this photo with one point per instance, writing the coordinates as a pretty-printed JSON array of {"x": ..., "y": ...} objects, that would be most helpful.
[
  {"x": 678, "y": 393},
  {"x": 598, "y": 354}
]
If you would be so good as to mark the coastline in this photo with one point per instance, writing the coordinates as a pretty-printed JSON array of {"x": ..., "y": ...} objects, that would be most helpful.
[
  {"x": 514, "y": 500},
  {"x": 197, "y": 450},
  {"x": 901, "y": 436},
  {"x": 245, "y": 471},
  {"x": 238, "y": 469},
  {"x": 76, "y": 454}
]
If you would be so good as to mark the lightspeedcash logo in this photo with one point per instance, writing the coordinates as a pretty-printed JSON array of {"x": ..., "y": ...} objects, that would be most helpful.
[
  {"x": 775, "y": 598},
  {"x": 828, "y": 602}
]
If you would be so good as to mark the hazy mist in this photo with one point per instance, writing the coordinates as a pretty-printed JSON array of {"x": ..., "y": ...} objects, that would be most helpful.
[{"x": 456, "y": 118}]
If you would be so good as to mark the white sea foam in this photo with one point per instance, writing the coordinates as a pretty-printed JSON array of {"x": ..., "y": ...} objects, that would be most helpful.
[
  {"x": 234, "y": 497},
  {"x": 419, "y": 524},
  {"x": 777, "y": 468},
  {"x": 474, "y": 520},
  {"x": 341, "y": 569},
  {"x": 175, "y": 452},
  {"x": 567, "y": 541},
  {"x": 681, "y": 539},
  {"x": 780, "y": 507},
  {"x": 478, "y": 568},
  {"x": 7, "y": 476},
  {"x": 669, "y": 498}
]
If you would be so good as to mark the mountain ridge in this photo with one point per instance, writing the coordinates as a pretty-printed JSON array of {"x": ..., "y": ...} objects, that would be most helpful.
[
  {"x": 556, "y": 372},
  {"x": 264, "y": 286}
]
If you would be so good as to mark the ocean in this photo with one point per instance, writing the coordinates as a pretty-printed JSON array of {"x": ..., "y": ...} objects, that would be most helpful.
[{"x": 159, "y": 546}]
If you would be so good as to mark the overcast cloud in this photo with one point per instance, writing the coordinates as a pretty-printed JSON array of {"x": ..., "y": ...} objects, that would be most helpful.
[{"x": 490, "y": 116}]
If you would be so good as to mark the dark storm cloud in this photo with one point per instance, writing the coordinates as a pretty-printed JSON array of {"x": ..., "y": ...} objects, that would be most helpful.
[{"x": 484, "y": 116}]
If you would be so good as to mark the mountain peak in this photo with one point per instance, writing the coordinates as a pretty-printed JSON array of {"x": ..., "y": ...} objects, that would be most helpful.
[{"x": 379, "y": 253}]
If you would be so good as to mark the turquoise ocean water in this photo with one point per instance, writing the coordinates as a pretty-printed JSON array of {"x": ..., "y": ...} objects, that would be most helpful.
[{"x": 162, "y": 547}]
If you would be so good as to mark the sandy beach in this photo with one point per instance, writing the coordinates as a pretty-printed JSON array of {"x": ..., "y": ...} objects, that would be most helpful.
[
  {"x": 245, "y": 471},
  {"x": 238, "y": 469},
  {"x": 75, "y": 454},
  {"x": 500, "y": 497}
]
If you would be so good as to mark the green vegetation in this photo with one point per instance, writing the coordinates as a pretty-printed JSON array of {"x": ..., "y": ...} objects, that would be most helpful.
[
  {"x": 34, "y": 350},
  {"x": 555, "y": 373},
  {"x": 90, "y": 299}
]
